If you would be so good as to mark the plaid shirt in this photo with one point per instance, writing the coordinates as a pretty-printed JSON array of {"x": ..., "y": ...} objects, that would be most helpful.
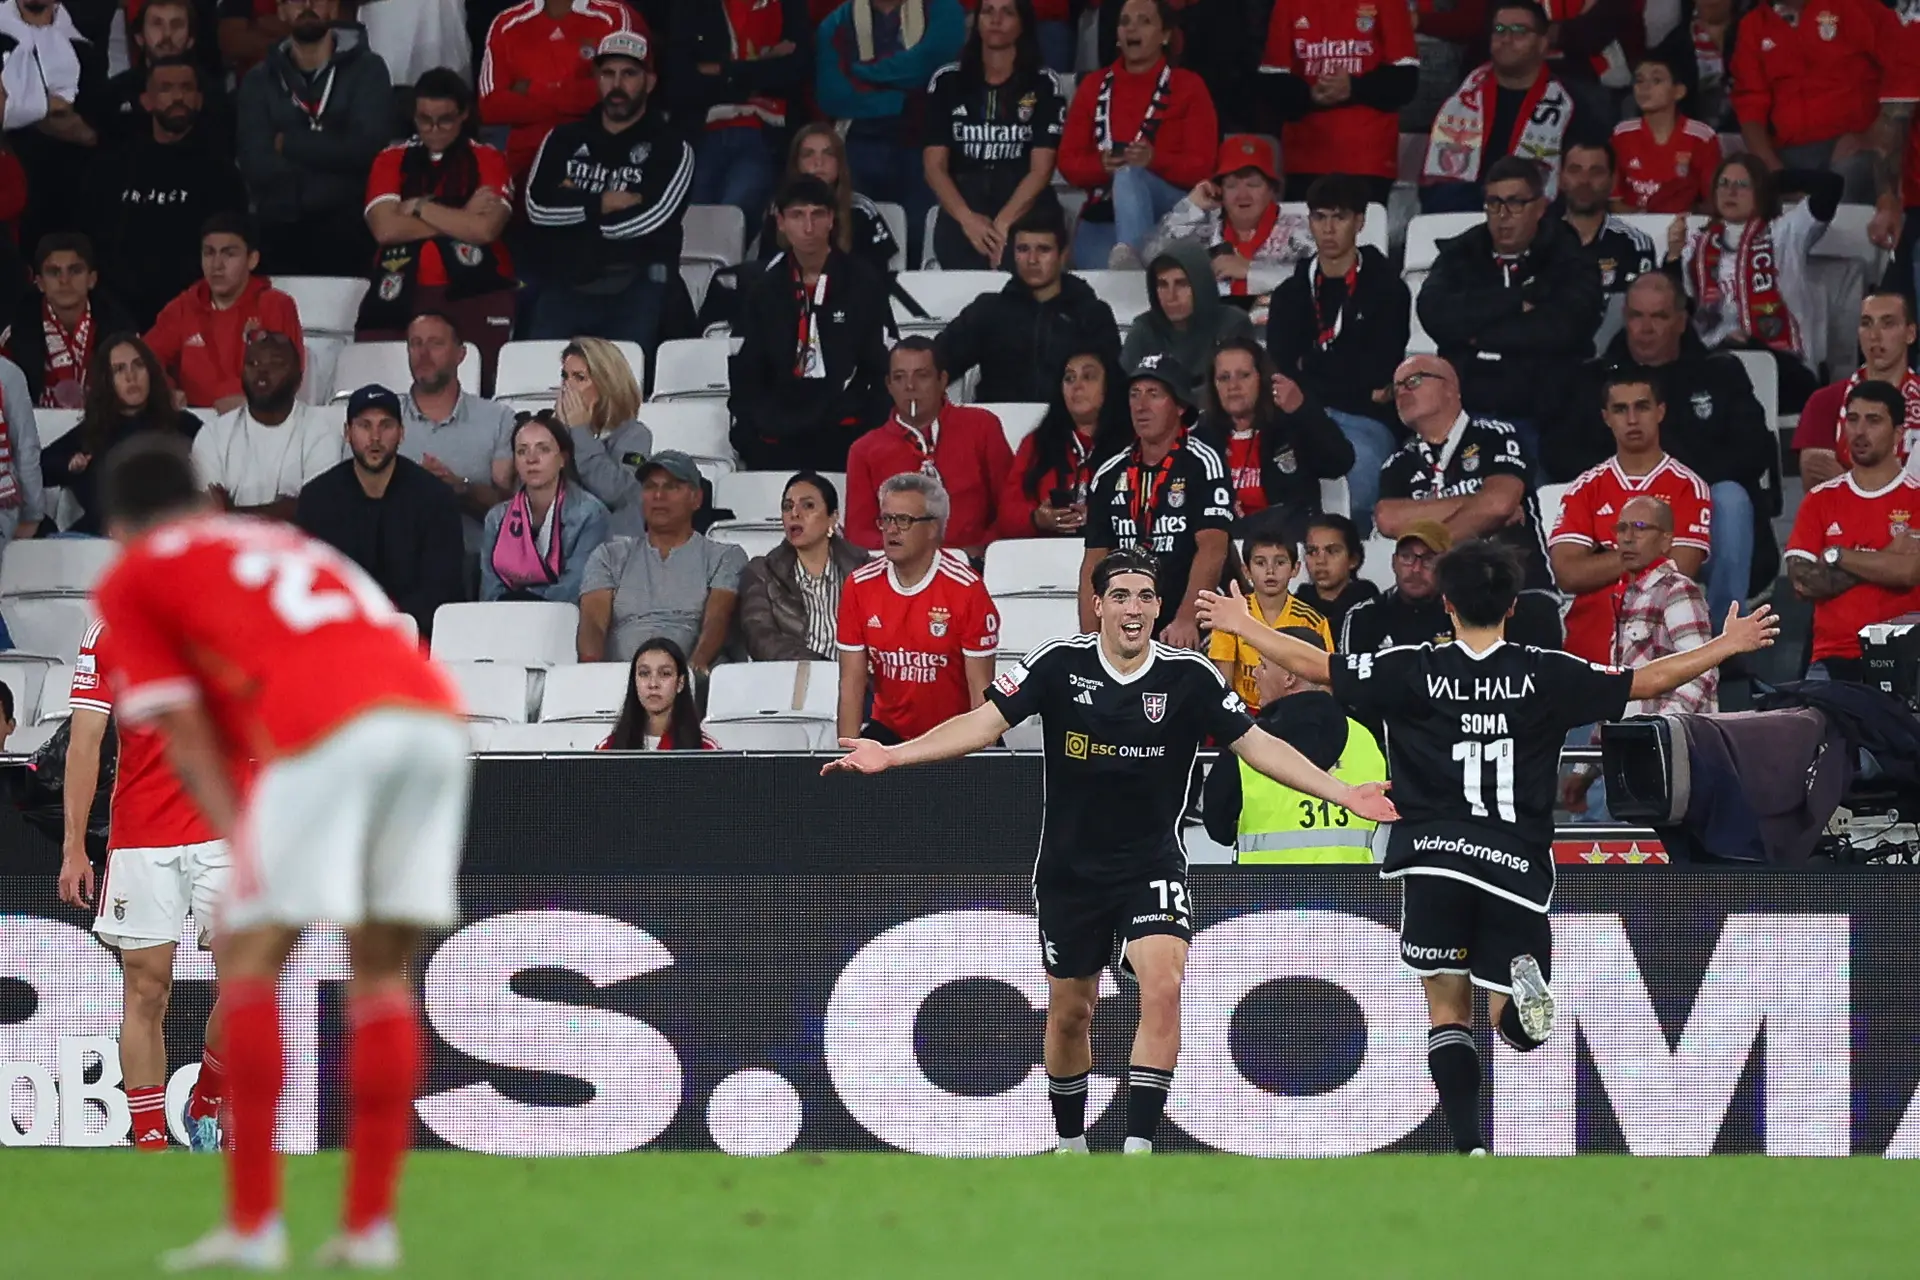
[{"x": 1661, "y": 612}]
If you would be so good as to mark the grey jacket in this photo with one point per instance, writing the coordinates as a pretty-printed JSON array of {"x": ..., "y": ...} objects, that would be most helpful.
[
  {"x": 1213, "y": 321},
  {"x": 773, "y": 612},
  {"x": 23, "y": 445},
  {"x": 316, "y": 170},
  {"x": 607, "y": 464},
  {"x": 583, "y": 527}
]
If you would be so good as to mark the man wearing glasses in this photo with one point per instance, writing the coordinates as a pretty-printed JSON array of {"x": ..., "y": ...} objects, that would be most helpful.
[
  {"x": 1509, "y": 106},
  {"x": 1514, "y": 304},
  {"x": 916, "y": 625},
  {"x": 1411, "y": 612}
]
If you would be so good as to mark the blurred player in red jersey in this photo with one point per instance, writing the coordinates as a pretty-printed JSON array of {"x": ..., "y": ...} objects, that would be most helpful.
[
  {"x": 162, "y": 860},
  {"x": 310, "y": 730}
]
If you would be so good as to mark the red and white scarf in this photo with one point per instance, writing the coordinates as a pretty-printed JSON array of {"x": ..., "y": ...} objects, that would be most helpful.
[
  {"x": 1707, "y": 56},
  {"x": 1149, "y": 121},
  {"x": 9, "y": 485},
  {"x": 1762, "y": 307},
  {"x": 1459, "y": 137},
  {"x": 1250, "y": 244},
  {"x": 68, "y": 355}
]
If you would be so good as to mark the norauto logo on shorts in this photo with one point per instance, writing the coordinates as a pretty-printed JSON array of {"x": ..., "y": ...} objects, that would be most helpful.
[
  {"x": 1468, "y": 849},
  {"x": 1433, "y": 953},
  {"x": 1081, "y": 747}
]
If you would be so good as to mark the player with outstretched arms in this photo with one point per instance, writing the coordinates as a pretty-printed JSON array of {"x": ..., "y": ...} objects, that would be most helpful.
[
  {"x": 163, "y": 861},
  {"x": 304, "y": 721},
  {"x": 1473, "y": 736},
  {"x": 1123, "y": 718}
]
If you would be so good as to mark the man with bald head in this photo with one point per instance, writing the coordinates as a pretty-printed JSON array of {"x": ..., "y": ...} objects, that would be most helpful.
[
  {"x": 1661, "y": 611},
  {"x": 1464, "y": 473},
  {"x": 1714, "y": 425}
]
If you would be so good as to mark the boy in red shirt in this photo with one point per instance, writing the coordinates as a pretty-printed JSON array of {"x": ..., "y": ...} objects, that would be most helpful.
[
  {"x": 201, "y": 337},
  {"x": 1667, "y": 161},
  {"x": 313, "y": 734}
]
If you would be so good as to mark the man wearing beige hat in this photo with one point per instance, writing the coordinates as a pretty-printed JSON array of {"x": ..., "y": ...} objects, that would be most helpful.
[{"x": 1411, "y": 612}]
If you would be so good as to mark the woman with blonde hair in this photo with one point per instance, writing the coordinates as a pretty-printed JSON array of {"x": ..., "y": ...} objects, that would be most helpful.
[
  {"x": 858, "y": 228},
  {"x": 600, "y": 405}
]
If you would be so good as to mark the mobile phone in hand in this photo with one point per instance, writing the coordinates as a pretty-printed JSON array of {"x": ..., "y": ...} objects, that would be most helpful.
[{"x": 1060, "y": 498}]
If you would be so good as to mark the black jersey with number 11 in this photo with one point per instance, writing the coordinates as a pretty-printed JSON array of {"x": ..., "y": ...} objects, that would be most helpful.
[
  {"x": 1473, "y": 749},
  {"x": 1119, "y": 752}
]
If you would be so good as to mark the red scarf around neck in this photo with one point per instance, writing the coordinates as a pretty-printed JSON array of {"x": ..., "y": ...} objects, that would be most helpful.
[
  {"x": 68, "y": 355},
  {"x": 1763, "y": 309},
  {"x": 1248, "y": 246}
]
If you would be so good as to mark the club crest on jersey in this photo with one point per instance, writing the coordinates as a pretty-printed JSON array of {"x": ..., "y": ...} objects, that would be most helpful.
[
  {"x": 1470, "y": 458},
  {"x": 1702, "y": 402},
  {"x": 1829, "y": 24},
  {"x": 1025, "y": 110},
  {"x": 1363, "y": 18},
  {"x": 1682, "y": 163},
  {"x": 937, "y": 619},
  {"x": 1609, "y": 270},
  {"x": 119, "y": 908},
  {"x": 1287, "y": 463},
  {"x": 1897, "y": 523},
  {"x": 1155, "y": 705},
  {"x": 1177, "y": 494}
]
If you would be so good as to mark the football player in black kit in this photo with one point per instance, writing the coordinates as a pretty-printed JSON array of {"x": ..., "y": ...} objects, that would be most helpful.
[
  {"x": 1123, "y": 716},
  {"x": 1473, "y": 734}
]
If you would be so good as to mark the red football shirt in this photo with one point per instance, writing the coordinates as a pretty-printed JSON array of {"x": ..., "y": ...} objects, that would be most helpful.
[
  {"x": 1587, "y": 517},
  {"x": 383, "y": 184},
  {"x": 966, "y": 448},
  {"x": 151, "y": 809},
  {"x": 553, "y": 59},
  {"x": 1312, "y": 38},
  {"x": 917, "y": 639},
  {"x": 1839, "y": 514},
  {"x": 1820, "y": 75},
  {"x": 1821, "y": 424},
  {"x": 1669, "y": 177},
  {"x": 280, "y": 636}
]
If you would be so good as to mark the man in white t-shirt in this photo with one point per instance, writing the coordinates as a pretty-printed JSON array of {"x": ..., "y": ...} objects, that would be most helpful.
[{"x": 258, "y": 457}]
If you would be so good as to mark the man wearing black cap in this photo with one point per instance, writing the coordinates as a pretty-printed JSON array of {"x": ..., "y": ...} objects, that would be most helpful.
[
  {"x": 387, "y": 514},
  {"x": 1168, "y": 493},
  {"x": 606, "y": 200}
]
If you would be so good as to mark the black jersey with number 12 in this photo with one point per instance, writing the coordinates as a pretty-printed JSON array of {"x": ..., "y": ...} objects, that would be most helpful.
[
  {"x": 1473, "y": 749},
  {"x": 1119, "y": 752}
]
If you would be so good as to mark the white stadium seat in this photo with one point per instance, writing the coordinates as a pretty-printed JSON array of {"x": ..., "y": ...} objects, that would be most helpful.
[
  {"x": 492, "y": 690},
  {"x": 316, "y": 379},
  {"x": 1764, "y": 374},
  {"x": 51, "y": 424},
  {"x": 520, "y": 633},
  {"x": 29, "y": 738},
  {"x": 775, "y": 735},
  {"x": 55, "y": 566},
  {"x": 1027, "y": 622},
  {"x": 1034, "y": 567},
  {"x": 942, "y": 295},
  {"x": 715, "y": 233},
  {"x": 1377, "y": 561},
  {"x": 697, "y": 428},
  {"x": 754, "y": 496},
  {"x": 1018, "y": 418},
  {"x": 26, "y": 677},
  {"x": 361, "y": 363},
  {"x": 1425, "y": 233},
  {"x": 1548, "y": 498},
  {"x": 55, "y": 691},
  {"x": 539, "y": 739},
  {"x": 531, "y": 368},
  {"x": 753, "y": 537},
  {"x": 584, "y": 691},
  {"x": 774, "y": 692},
  {"x": 929, "y": 261},
  {"x": 1124, "y": 291},
  {"x": 895, "y": 218},
  {"x": 691, "y": 368},
  {"x": 1335, "y": 499},
  {"x": 327, "y": 304},
  {"x": 46, "y": 627},
  {"x": 1374, "y": 233}
]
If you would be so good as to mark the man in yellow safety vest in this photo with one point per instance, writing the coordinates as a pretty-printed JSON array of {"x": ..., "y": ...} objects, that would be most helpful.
[{"x": 1267, "y": 823}]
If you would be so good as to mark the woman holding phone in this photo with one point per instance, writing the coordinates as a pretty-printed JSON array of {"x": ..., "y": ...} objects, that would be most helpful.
[{"x": 1085, "y": 424}]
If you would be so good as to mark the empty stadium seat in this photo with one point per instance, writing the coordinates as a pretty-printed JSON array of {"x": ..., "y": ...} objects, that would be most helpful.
[
  {"x": 1335, "y": 499},
  {"x": 793, "y": 692},
  {"x": 1764, "y": 374},
  {"x": 521, "y": 633},
  {"x": 929, "y": 261},
  {"x": 1018, "y": 418},
  {"x": 584, "y": 691},
  {"x": 531, "y": 368},
  {"x": 1124, "y": 291},
  {"x": 775, "y": 735},
  {"x": 47, "y": 627},
  {"x": 361, "y": 363},
  {"x": 491, "y": 690},
  {"x": 316, "y": 378},
  {"x": 327, "y": 304},
  {"x": 55, "y": 693},
  {"x": 1034, "y": 567},
  {"x": 691, "y": 368},
  {"x": 26, "y": 676},
  {"x": 539, "y": 739},
  {"x": 55, "y": 566},
  {"x": 1377, "y": 565},
  {"x": 1027, "y": 622},
  {"x": 1548, "y": 498},
  {"x": 942, "y": 295},
  {"x": 753, "y": 537},
  {"x": 895, "y": 218},
  {"x": 697, "y": 428},
  {"x": 51, "y": 424},
  {"x": 29, "y": 738},
  {"x": 714, "y": 233},
  {"x": 754, "y": 496}
]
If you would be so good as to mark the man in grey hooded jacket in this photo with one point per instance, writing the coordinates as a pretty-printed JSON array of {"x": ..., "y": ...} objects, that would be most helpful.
[
  {"x": 1186, "y": 316},
  {"x": 313, "y": 116}
]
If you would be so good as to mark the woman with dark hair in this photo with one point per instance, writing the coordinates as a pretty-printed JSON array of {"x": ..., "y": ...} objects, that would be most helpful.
[
  {"x": 659, "y": 713},
  {"x": 1279, "y": 442},
  {"x": 790, "y": 597},
  {"x": 534, "y": 546},
  {"x": 1086, "y": 423},
  {"x": 127, "y": 393},
  {"x": 858, "y": 228},
  {"x": 1140, "y": 134},
  {"x": 1746, "y": 270},
  {"x": 993, "y": 133}
]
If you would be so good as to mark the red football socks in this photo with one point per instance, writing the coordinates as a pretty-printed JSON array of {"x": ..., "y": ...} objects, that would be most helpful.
[
  {"x": 149, "y": 1109},
  {"x": 384, "y": 1066},
  {"x": 255, "y": 1070},
  {"x": 209, "y": 1088}
]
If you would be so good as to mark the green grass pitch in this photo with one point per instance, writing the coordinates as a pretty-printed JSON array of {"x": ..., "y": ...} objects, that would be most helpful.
[{"x": 74, "y": 1214}]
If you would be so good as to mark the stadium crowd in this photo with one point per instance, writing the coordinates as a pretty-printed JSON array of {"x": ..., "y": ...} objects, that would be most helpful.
[{"x": 1408, "y": 275}]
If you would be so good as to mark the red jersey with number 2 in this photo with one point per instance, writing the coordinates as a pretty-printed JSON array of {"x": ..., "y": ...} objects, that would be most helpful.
[{"x": 282, "y": 638}]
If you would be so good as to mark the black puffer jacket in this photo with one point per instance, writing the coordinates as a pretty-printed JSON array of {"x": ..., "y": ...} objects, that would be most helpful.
[{"x": 1020, "y": 345}]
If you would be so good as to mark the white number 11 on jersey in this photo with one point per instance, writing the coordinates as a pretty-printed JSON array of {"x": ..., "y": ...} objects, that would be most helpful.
[{"x": 1474, "y": 758}]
